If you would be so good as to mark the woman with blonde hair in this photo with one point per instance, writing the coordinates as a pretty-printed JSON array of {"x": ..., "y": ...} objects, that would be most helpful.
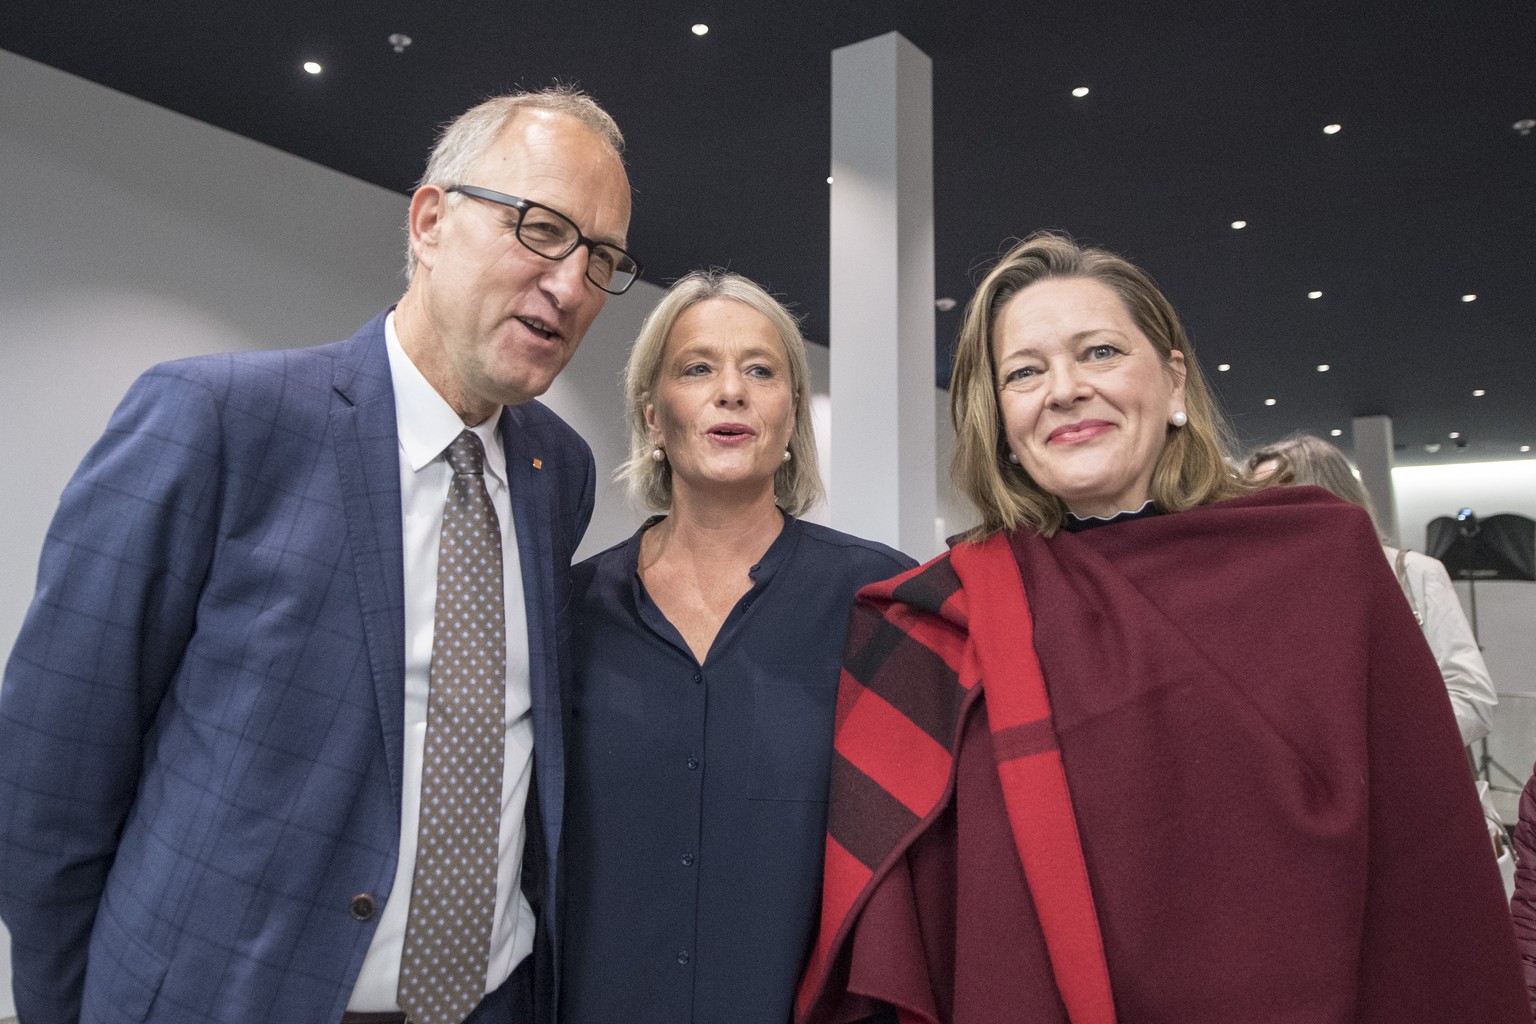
[
  {"x": 707, "y": 651},
  {"x": 1303, "y": 460},
  {"x": 1148, "y": 745}
]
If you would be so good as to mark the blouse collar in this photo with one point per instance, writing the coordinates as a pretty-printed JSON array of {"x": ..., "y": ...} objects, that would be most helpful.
[{"x": 1075, "y": 523}]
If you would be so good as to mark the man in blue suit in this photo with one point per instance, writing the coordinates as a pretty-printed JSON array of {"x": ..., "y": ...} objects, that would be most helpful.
[{"x": 213, "y": 722}]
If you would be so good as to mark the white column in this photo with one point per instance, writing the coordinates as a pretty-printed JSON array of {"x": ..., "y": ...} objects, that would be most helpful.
[
  {"x": 882, "y": 482},
  {"x": 1373, "y": 456}
]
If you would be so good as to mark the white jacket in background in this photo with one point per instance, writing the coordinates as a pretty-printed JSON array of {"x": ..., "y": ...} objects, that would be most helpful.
[{"x": 1450, "y": 637}]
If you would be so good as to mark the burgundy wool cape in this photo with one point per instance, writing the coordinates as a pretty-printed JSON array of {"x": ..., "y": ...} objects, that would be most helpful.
[
  {"x": 1207, "y": 773},
  {"x": 1523, "y": 906}
]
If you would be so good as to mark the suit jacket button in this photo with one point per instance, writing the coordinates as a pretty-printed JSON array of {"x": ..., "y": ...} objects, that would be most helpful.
[{"x": 363, "y": 906}]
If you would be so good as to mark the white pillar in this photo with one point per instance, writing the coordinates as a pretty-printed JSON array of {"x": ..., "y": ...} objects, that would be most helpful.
[
  {"x": 1373, "y": 457},
  {"x": 882, "y": 482}
]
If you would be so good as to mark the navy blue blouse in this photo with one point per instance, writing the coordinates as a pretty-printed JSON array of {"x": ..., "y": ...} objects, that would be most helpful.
[{"x": 696, "y": 794}]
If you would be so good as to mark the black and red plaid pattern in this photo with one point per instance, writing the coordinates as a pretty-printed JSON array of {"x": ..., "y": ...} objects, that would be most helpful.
[{"x": 921, "y": 647}]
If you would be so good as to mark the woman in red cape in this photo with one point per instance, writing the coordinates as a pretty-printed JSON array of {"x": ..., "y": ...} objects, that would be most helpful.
[{"x": 1149, "y": 746}]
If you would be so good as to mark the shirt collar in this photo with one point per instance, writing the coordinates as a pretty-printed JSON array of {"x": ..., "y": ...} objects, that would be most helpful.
[
  {"x": 425, "y": 422},
  {"x": 777, "y": 554}
]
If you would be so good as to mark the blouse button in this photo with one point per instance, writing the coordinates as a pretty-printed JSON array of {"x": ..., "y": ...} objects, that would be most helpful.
[
  {"x": 682, "y": 956},
  {"x": 687, "y": 860},
  {"x": 693, "y": 762},
  {"x": 698, "y": 677}
]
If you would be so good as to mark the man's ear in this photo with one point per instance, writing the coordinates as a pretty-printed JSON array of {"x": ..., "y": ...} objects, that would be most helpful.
[{"x": 429, "y": 205}]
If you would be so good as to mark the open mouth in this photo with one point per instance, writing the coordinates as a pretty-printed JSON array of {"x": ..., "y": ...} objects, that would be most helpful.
[
  {"x": 539, "y": 327},
  {"x": 731, "y": 431}
]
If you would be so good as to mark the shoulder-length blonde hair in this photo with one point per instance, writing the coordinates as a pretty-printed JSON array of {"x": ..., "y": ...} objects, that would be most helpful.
[
  {"x": 797, "y": 483},
  {"x": 1192, "y": 468}
]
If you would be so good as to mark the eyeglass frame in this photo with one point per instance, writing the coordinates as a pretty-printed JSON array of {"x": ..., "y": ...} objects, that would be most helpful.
[{"x": 522, "y": 206}]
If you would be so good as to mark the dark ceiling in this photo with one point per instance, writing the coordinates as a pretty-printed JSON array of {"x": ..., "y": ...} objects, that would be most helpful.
[{"x": 1199, "y": 114}]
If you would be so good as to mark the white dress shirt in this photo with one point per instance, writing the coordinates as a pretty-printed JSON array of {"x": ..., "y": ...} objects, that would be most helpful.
[{"x": 427, "y": 425}]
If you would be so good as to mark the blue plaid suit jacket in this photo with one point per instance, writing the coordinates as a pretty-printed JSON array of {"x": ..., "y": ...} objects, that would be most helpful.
[{"x": 202, "y": 719}]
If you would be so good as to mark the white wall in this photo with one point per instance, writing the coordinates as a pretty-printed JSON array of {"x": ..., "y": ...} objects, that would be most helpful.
[{"x": 1424, "y": 493}]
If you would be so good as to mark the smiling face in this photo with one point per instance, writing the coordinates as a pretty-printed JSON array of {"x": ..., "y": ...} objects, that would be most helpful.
[
  {"x": 486, "y": 320},
  {"x": 1086, "y": 400},
  {"x": 723, "y": 404}
]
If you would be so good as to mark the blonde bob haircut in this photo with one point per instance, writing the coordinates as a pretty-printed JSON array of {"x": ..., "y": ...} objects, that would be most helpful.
[
  {"x": 1193, "y": 467},
  {"x": 797, "y": 483}
]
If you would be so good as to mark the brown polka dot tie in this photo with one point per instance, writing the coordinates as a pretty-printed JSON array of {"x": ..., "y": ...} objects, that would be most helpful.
[{"x": 453, "y": 895}]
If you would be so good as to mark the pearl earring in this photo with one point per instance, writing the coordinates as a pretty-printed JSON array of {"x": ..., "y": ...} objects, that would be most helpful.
[
  {"x": 1013, "y": 457},
  {"x": 657, "y": 455},
  {"x": 786, "y": 454},
  {"x": 1180, "y": 418}
]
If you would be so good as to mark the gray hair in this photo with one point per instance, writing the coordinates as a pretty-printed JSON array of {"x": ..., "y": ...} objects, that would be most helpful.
[
  {"x": 797, "y": 484},
  {"x": 464, "y": 140}
]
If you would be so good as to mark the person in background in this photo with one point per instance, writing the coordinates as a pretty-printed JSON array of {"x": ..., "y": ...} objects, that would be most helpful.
[
  {"x": 1522, "y": 905},
  {"x": 1304, "y": 460},
  {"x": 706, "y": 679},
  {"x": 1147, "y": 745},
  {"x": 296, "y": 602}
]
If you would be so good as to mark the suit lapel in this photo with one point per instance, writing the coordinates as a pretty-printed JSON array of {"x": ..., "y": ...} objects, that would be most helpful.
[
  {"x": 532, "y": 485},
  {"x": 531, "y": 502},
  {"x": 366, "y": 441}
]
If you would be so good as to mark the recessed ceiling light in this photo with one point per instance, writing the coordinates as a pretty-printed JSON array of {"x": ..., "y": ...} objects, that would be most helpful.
[
  {"x": 1432, "y": 448},
  {"x": 829, "y": 179},
  {"x": 1524, "y": 125},
  {"x": 312, "y": 67},
  {"x": 1455, "y": 434},
  {"x": 399, "y": 40},
  {"x": 701, "y": 29},
  {"x": 1223, "y": 367},
  {"x": 1323, "y": 367},
  {"x": 1269, "y": 401},
  {"x": 1332, "y": 129},
  {"x": 1314, "y": 295},
  {"x": 1080, "y": 91},
  {"x": 1469, "y": 297},
  {"x": 1336, "y": 432},
  {"x": 1238, "y": 225},
  {"x": 1478, "y": 393},
  {"x": 945, "y": 304},
  {"x": 1525, "y": 447}
]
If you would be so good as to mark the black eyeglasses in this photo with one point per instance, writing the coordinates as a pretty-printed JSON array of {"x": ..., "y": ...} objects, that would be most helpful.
[{"x": 553, "y": 235}]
